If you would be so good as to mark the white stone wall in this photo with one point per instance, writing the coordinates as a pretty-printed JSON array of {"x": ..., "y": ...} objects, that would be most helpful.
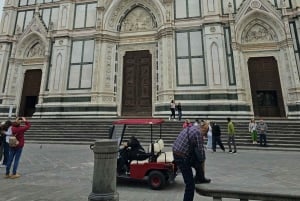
[{"x": 152, "y": 27}]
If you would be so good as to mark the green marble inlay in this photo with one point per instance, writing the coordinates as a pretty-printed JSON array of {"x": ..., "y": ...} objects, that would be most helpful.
[
  {"x": 207, "y": 108},
  {"x": 67, "y": 99},
  {"x": 206, "y": 97},
  {"x": 6, "y": 110},
  {"x": 77, "y": 109},
  {"x": 294, "y": 108}
]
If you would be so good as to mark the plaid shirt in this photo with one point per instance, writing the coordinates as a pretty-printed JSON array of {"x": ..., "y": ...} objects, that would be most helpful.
[{"x": 181, "y": 144}]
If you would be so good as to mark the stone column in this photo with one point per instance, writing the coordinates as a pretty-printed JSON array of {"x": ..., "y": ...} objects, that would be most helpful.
[{"x": 105, "y": 166}]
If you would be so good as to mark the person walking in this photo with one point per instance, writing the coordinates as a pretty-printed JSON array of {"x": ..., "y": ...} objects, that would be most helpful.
[
  {"x": 181, "y": 151},
  {"x": 15, "y": 152},
  {"x": 179, "y": 110},
  {"x": 252, "y": 130},
  {"x": 231, "y": 136},
  {"x": 172, "y": 108},
  {"x": 262, "y": 129},
  {"x": 216, "y": 137}
]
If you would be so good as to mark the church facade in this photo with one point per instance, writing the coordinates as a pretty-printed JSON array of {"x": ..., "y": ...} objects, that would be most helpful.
[{"x": 124, "y": 58}]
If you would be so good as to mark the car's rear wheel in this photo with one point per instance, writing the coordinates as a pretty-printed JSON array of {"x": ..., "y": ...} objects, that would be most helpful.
[{"x": 156, "y": 180}]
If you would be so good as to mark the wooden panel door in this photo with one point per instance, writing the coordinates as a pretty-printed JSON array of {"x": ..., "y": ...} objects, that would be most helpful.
[
  {"x": 137, "y": 84},
  {"x": 30, "y": 93},
  {"x": 265, "y": 87}
]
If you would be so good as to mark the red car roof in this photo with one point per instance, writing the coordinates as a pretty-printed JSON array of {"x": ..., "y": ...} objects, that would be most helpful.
[{"x": 139, "y": 121}]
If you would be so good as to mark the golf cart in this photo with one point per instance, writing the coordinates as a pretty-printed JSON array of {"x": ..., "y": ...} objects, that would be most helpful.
[{"x": 154, "y": 164}]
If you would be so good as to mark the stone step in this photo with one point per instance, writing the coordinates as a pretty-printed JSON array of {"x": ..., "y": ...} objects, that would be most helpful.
[{"x": 282, "y": 134}]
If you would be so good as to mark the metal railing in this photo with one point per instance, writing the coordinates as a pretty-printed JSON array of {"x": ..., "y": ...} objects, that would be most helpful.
[{"x": 245, "y": 193}]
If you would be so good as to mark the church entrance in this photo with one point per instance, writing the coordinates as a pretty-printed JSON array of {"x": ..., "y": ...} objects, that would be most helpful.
[
  {"x": 265, "y": 87},
  {"x": 137, "y": 84},
  {"x": 30, "y": 93}
]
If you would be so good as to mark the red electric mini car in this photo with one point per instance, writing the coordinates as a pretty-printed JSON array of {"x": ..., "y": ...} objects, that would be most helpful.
[{"x": 156, "y": 166}]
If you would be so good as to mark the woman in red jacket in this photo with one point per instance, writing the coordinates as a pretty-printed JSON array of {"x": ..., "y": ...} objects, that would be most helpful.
[{"x": 15, "y": 152}]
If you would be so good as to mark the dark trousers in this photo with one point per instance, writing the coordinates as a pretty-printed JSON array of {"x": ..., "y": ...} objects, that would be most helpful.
[
  {"x": 262, "y": 139},
  {"x": 5, "y": 152},
  {"x": 172, "y": 116},
  {"x": 200, "y": 174},
  {"x": 187, "y": 174},
  {"x": 231, "y": 140},
  {"x": 217, "y": 140},
  {"x": 179, "y": 115}
]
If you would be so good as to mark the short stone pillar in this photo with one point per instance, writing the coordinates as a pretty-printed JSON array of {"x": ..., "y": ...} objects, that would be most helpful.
[{"x": 105, "y": 167}]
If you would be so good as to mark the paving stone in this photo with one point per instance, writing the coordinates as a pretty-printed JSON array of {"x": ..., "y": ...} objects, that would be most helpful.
[{"x": 64, "y": 173}]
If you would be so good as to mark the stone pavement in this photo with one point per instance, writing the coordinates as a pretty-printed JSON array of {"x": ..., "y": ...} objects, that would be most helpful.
[{"x": 64, "y": 173}]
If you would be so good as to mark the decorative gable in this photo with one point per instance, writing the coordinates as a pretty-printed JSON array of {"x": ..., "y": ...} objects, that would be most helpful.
[
  {"x": 36, "y": 25},
  {"x": 32, "y": 43},
  {"x": 257, "y": 5},
  {"x": 257, "y": 21}
]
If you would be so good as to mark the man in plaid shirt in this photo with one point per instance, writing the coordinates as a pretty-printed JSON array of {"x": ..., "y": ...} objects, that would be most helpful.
[{"x": 188, "y": 136}]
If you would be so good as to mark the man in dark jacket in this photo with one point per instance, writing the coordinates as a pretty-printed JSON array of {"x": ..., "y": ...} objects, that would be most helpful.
[{"x": 216, "y": 136}]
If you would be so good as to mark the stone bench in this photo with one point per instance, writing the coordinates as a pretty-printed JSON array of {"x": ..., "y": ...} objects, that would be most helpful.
[{"x": 245, "y": 193}]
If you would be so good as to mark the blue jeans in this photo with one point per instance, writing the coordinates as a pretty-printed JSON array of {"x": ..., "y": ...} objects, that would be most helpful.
[
  {"x": 262, "y": 139},
  {"x": 14, "y": 153},
  {"x": 187, "y": 174},
  {"x": 179, "y": 115}
]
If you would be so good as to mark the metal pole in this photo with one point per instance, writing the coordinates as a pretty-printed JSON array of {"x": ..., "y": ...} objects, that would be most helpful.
[{"x": 105, "y": 167}]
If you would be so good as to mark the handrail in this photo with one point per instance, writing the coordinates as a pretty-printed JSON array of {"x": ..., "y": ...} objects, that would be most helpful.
[{"x": 245, "y": 193}]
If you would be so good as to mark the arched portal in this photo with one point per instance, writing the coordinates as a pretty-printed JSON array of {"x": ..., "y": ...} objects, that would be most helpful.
[{"x": 30, "y": 93}]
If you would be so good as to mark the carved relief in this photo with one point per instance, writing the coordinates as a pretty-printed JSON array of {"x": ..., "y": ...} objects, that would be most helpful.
[
  {"x": 36, "y": 51},
  {"x": 258, "y": 31},
  {"x": 137, "y": 20},
  {"x": 108, "y": 70},
  {"x": 125, "y": 4},
  {"x": 255, "y": 4}
]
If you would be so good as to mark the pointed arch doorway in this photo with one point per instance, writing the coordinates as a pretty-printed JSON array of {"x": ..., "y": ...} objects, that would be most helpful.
[
  {"x": 30, "y": 93},
  {"x": 137, "y": 84},
  {"x": 265, "y": 87}
]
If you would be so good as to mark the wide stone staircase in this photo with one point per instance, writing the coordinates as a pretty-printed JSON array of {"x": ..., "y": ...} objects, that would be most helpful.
[{"x": 282, "y": 134}]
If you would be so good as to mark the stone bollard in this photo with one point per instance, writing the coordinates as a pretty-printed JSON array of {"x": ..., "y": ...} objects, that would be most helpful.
[{"x": 105, "y": 166}]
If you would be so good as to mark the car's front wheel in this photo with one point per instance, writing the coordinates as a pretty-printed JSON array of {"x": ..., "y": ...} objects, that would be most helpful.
[{"x": 156, "y": 180}]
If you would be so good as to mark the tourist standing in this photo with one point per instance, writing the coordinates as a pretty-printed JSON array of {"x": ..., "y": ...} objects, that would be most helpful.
[
  {"x": 179, "y": 110},
  {"x": 6, "y": 132},
  {"x": 15, "y": 152},
  {"x": 209, "y": 138},
  {"x": 172, "y": 108},
  {"x": 252, "y": 130},
  {"x": 231, "y": 136},
  {"x": 262, "y": 129}
]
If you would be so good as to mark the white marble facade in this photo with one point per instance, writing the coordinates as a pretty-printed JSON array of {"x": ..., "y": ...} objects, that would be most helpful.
[{"x": 200, "y": 51}]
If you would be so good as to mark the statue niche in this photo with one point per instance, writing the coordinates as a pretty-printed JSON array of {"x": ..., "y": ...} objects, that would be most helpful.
[
  {"x": 137, "y": 20},
  {"x": 37, "y": 50}
]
